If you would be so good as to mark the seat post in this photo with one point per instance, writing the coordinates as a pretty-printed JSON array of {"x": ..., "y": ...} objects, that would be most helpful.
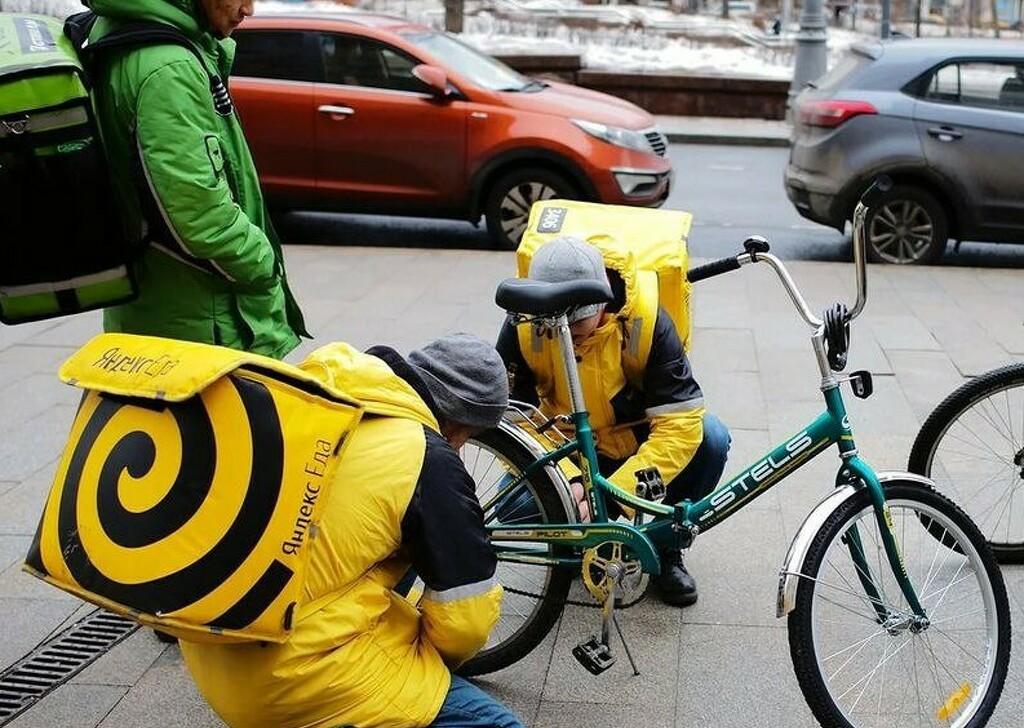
[{"x": 572, "y": 373}]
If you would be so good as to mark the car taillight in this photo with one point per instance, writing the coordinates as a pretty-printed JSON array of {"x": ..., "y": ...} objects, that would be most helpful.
[{"x": 830, "y": 114}]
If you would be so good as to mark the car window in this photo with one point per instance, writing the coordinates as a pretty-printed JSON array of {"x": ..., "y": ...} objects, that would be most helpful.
[
  {"x": 841, "y": 71},
  {"x": 481, "y": 69},
  {"x": 277, "y": 54},
  {"x": 355, "y": 61},
  {"x": 980, "y": 84}
]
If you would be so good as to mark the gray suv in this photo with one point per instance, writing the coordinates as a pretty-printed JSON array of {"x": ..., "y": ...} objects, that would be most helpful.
[{"x": 943, "y": 117}]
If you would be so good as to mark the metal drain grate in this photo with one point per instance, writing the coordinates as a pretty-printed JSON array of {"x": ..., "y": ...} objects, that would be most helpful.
[{"x": 53, "y": 663}]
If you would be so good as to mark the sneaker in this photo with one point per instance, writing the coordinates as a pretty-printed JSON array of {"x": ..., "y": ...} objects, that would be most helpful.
[{"x": 674, "y": 582}]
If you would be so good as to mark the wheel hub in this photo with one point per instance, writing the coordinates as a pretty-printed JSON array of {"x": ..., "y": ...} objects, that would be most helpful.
[{"x": 900, "y": 622}]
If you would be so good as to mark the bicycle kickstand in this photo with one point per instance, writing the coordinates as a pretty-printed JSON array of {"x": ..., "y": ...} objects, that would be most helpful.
[{"x": 595, "y": 654}]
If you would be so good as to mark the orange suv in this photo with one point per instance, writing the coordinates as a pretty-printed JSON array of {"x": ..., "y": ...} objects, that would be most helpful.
[{"x": 358, "y": 112}]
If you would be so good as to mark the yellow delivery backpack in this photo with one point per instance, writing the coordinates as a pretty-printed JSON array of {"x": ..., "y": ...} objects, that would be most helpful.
[
  {"x": 190, "y": 487},
  {"x": 657, "y": 240}
]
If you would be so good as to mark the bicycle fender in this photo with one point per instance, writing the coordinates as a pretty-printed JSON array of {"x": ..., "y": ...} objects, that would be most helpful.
[
  {"x": 789, "y": 573},
  {"x": 536, "y": 450}
]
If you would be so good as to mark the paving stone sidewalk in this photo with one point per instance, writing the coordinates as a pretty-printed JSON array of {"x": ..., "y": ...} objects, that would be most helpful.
[{"x": 724, "y": 662}]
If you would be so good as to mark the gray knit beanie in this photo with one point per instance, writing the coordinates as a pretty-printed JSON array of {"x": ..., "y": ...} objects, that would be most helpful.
[
  {"x": 569, "y": 259},
  {"x": 466, "y": 377}
]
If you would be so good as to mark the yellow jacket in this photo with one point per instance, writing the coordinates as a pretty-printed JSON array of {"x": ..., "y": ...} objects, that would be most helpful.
[
  {"x": 651, "y": 417},
  {"x": 360, "y": 653}
]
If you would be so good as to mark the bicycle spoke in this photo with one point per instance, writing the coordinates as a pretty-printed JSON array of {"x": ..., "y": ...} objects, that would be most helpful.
[{"x": 902, "y": 671}]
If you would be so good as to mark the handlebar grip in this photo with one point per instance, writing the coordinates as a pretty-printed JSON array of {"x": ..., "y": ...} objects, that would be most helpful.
[
  {"x": 714, "y": 268},
  {"x": 881, "y": 184}
]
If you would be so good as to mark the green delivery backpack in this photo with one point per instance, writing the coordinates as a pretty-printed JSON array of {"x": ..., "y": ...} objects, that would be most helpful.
[{"x": 62, "y": 248}]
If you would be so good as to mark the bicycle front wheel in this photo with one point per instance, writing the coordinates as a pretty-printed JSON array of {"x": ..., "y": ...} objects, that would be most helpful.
[
  {"x": 862, "y": 660},
  {"x": 972, "y": 447},
  {"x": 535, "y": 593}
]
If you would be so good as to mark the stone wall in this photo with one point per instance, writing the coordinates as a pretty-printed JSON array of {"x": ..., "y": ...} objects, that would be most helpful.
[{"x": 667, "y": 93}]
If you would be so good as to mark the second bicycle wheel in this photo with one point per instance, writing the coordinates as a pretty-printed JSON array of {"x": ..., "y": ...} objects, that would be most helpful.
[
  {"x": 535, "y": 594},
  {"x": 864, "y": 661},
  {"x": 972, "y": 446}
]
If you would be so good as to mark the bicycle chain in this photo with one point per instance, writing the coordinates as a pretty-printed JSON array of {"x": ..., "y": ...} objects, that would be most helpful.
[{"x": 576, "y": 603}]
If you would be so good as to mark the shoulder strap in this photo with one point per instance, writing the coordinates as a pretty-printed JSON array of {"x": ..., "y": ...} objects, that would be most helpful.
[
  {"x": 638, "y": 331},
  {"x": 136, "y": 34}
]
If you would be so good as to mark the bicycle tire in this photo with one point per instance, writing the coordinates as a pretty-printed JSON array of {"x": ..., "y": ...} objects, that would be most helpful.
[
  {"x": 972, "y": 447},
  {"x": 525, "y": 620},
  {"x": 978, "y": 641}
]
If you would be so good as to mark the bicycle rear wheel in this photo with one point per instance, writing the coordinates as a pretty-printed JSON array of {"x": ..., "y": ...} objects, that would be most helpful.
[
  {"x": 856, "y": 668},
  {"x": 972, "y": 447},
  {"x": 535, "y": 594}
]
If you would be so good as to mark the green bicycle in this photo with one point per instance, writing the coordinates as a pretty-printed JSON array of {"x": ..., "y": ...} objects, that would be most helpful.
[{"x": 897, "y": 612}]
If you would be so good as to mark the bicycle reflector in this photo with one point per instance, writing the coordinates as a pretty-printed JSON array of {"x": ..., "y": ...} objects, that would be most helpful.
[{"x": 953, "y": 703}]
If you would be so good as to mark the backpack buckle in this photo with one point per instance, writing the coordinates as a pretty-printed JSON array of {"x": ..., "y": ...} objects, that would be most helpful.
[{"x": 16, "y": 126}]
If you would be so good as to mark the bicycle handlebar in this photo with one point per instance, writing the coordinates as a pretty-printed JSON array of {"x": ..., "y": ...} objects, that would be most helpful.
[{"x": 714, "y": 268}]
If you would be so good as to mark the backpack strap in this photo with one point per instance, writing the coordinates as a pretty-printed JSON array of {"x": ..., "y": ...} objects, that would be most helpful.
[
  {"x": 137, "y": 34},
  {"x": 638, "y": 330}
]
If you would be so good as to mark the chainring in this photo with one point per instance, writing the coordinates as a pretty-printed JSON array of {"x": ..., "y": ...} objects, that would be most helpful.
[{"x": 596, "y": 563}]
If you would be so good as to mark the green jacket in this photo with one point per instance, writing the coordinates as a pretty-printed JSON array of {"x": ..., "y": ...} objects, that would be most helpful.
[{"x": 214, "y": 272}]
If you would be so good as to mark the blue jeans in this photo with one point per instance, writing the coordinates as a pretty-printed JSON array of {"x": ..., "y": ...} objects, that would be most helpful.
[
  {"x": 702, "y": 473},
  {"x": 467, "y": 706}
]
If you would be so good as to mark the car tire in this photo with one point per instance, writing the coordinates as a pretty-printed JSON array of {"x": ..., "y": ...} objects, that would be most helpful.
[
  {"x": 907, "y": 226},
  {"x": 508, "y": 202}
]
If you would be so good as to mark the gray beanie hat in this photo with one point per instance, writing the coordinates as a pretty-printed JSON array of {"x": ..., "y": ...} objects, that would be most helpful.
[
  {"x": 466, "y": 378},
  {"x": 569, "y": 259}
]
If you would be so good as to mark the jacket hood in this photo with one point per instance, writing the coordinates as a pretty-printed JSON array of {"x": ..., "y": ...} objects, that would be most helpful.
[
  {"x": 619, "y": 258},
  {"x": 370, "y": 380},
  {"x": 188, "y": 15}
]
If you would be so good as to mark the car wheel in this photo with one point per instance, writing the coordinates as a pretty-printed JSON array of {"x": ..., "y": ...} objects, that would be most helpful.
[
  {"x": 907, "y": 226},
  {"x": 508, "y": 203}
]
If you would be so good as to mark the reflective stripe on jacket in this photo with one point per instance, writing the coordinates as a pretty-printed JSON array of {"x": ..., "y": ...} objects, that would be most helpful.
[{"x": 360, "y": 653}]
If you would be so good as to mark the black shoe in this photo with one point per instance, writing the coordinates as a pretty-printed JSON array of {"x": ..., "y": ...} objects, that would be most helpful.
[{"x": 674, "y": 582}]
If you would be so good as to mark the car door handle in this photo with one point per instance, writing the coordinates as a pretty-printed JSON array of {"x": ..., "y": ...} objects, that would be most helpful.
[
  {"x": 336, "y": 110},
  {"x": 944, "y": 133}
]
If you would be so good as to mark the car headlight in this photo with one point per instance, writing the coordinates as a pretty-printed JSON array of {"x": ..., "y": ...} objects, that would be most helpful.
[{"x": 626, "y": 138}]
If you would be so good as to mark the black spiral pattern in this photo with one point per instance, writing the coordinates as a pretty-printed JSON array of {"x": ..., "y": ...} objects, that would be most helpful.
[{"x": 135, "y": 452}]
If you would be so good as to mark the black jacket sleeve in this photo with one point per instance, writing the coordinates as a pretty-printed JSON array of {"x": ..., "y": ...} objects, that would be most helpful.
[
  {"x": 668, "y": 379},
  {"x": 443, "y": 533},
  {"x": 522, "y": 385},
  {"x": 443, "y": 527}
]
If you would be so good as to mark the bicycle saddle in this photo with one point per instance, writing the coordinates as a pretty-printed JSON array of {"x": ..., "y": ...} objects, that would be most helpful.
[{"x": 539, "y": 298}]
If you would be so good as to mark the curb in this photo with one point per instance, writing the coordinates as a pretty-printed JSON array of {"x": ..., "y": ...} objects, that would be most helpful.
[{"x": 726, "y": 139}]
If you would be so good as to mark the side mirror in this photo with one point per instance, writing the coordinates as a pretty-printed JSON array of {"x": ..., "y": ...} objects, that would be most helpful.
[{"x": 433, "y": 77}]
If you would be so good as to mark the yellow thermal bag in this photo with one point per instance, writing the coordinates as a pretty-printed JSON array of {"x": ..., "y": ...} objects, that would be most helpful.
[
  {"x": 191, "y": 484},
  {"x": 656, "y": 238}
]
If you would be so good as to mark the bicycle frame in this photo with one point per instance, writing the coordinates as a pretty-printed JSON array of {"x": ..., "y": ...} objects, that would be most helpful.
[{"x": 677, "y": 525}]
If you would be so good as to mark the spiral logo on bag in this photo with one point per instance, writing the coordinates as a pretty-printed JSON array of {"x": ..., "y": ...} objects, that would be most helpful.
[{"x": 162, "y": 503}]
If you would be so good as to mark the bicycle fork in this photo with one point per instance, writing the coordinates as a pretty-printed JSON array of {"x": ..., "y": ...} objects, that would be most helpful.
[{"x": 891, "y": 619}]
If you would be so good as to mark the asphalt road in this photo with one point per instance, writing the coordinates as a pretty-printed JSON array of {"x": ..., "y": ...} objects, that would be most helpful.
[{"x": 732, "y": 192}]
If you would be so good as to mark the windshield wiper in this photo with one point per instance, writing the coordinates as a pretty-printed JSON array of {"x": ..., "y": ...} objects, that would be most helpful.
[{"x": 535, "y": 85}]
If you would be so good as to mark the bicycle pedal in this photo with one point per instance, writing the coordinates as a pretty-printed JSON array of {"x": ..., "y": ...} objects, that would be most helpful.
[{"x": 593, "y": 655}]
